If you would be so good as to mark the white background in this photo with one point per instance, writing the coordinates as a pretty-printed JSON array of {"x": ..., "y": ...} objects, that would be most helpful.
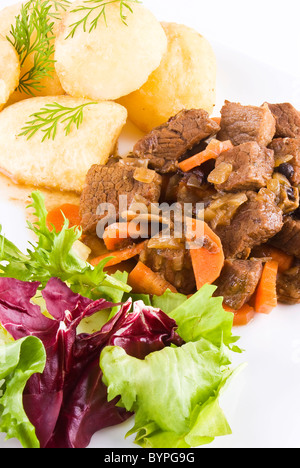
[
  {"x": 252, "y": 40},
  {"x": 268, "y": 30}
]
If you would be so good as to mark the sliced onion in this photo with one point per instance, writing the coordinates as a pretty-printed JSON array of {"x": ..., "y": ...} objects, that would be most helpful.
[
  {"x": 194, "y": 182},
  {"x": 131, "y": 161},
  {"x": 222, "y": 209},
  {"x": 283, "y": 159},
  {"x": 163, "y": 243},
  {"x": 143, "y": 175},
  {"x": 220, "y": 174}
]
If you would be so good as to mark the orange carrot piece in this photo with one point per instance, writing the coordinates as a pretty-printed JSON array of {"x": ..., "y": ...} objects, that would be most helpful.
[
  {"x": 216, "y": 119},
  {"x": 213, "y": 150},
  {"x": 145, "y": 281},
  {"x": 266, "y": 294},
  {"x": 120, "y": 255},
  {"x": 55, "y": 217},
  {"x": 207, "y": 262},
  {"x": 242, "y": 316},
  {"x": 284, "y": 260},
  {"x": 116, "y": 234}
]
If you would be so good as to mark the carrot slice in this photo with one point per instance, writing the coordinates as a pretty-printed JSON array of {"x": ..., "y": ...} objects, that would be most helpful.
[
  {"x": 284, "y": 260},
  {"x": 216, "y": 119},
  {"x": 55, "y": 217},
  {"x": 145, "y": 281},
  {"x": 120, "y": 255},
  {"x": 213, "y": 150},
  {"x": 266, "y": 295},
  {"x": 242, "y": 316},
  {"x": 208, "y": 260},
  {"x": 116, "y": 234}
]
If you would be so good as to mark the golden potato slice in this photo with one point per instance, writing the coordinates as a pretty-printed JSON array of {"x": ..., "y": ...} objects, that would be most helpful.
[
  {"x": 113, "y": 59},
  {"x": 9, "y": 70},
  {"x": 50, "y": 85},
  {"x": 59, "y": 163},
  {"x": 185, "y": 79}
]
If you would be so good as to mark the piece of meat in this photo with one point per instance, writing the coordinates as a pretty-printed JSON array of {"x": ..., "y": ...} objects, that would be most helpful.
[
  {"x": 288, "y": 239},
  {"x": 175, "y": 265},
  {"x": 238, "y": 281},
  {"x": 241, "y": 124},
  {"x": 166, "y": 144},
  {"x": 288, "y": 147},
  {"x": 105, "y": 184},
  {"x": 255, "y": 222},
  {"x": 288, "y": 286},
  {"x": 252, "y": 167},
  {"x": 287, "y": 120}
]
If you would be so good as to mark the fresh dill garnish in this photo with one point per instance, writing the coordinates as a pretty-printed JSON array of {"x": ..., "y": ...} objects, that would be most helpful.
[
  {"x": 58, "y": 6},
  {"x": 32, "y": 36},
  {"x": 99, "y": 7},
  {"x": 48, "y": 118}
]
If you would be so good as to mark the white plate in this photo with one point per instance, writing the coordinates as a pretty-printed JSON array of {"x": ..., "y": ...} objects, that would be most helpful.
[{"x": 262, "y": 404}]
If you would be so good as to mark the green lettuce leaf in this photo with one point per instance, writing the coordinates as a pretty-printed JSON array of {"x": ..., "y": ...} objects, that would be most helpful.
[
  {"x": 169, "y": 301},
  {"x": 173, "y": 393},
  {"x": 53, "y": 256},
  {"x": 203, "y": 316},
  {"x": 19, "y": 360},
  {"x": 200, "y": 316}
]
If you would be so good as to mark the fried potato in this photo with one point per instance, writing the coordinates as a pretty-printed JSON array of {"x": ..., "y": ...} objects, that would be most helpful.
[
  {"x": 50, "y": 85},
  {"x": 60, "y": 163},
  {"x": 9, "y": 70},
  {"x": 113, "y": 59},
  {"x": 185, "y": 79}
]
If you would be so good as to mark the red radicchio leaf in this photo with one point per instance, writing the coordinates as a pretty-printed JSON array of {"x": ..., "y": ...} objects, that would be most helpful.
[{"x": 68, "y": 403}]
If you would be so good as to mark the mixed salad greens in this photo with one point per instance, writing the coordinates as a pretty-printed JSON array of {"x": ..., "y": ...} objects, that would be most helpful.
[{"x": 163, "y": 360}]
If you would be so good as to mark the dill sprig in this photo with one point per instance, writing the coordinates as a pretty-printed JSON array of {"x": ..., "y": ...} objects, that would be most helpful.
[
  {"x": 91, "y": 7},
  {"x": 59, "y": 5},
  {"x": 32, "y": 35},
  {"x": 50, "y": 116}
]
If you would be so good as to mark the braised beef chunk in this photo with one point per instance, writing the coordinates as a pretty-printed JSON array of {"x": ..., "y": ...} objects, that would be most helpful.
[
  {"x": 252, "y": 166},
  {"x": 255, "y": 222},
  {"x": 104, "y": 184},
  {"x": 175, "y": 265},
  {"x": 284, "y": 148},
  {"x": 248, "y": 195},
  {"x": 288, "y": 286},
  {"x": 238, "y": 282},
  {"x": 288, "y": 238},
  {"x": 287, "y": 120},
  {"x": 166, "y": 144},
  {"x": 241, "y": 124}
]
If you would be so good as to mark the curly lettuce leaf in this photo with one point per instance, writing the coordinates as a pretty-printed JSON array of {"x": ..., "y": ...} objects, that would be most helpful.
[
  {"x": 53, "y": 256},
  {"x": 19, "y": 360},
  {"x": 173, "y": 393}
]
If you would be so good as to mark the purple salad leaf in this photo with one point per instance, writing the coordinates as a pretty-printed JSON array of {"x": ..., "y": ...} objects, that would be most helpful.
[
  {"x": 86, "y": 410},
  {"x": 144, "y": 331},
  {"x": 68, "y": 403},
  {"x": 19, "y": 316}
]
